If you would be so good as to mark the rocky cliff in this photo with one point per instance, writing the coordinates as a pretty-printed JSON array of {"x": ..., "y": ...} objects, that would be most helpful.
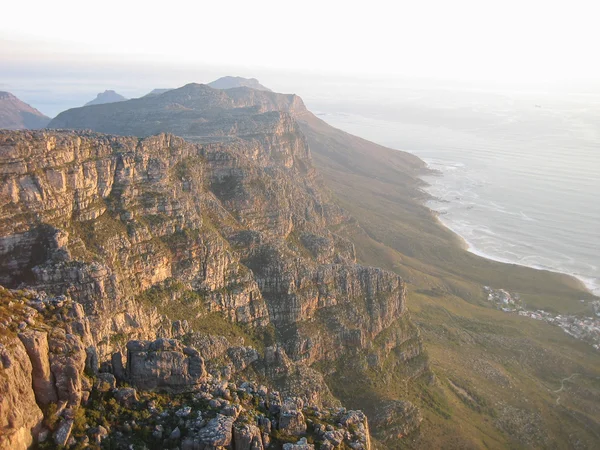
[
  {"x": 54, "y": 393},
  {"x": 222, "y": 240}
]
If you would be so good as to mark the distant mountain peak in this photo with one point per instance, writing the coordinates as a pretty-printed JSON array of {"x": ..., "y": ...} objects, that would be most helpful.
[
  {"x": 18, "y": 115},
  {"x": 108, "y": 96},
  {"x": 158, "y": 91},
  {"x": 5, "y": 95},
  {"x": 236, "y": 82}
]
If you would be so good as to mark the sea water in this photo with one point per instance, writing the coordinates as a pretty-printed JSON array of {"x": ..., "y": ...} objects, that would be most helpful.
[{"x": 519, "y": 172}]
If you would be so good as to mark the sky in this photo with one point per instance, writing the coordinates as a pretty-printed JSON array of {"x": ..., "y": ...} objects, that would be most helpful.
[{"x": 501, "y": 41}]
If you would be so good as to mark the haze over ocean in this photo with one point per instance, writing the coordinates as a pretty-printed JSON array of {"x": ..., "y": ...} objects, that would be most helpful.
[{"x": 520, "y": 172}]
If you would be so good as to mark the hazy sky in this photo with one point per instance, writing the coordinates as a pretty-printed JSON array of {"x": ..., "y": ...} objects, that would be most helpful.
[{"x": 525, "y": 40}]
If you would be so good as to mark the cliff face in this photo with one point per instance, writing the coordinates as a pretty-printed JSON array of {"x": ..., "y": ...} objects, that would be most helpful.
[
  {"x": 44, "y": 347},
  {"x": 229, "y": 231},
  {"x": 244, "y": 225}
]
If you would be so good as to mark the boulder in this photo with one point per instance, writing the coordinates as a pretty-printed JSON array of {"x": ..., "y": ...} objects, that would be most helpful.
[
  {"x": 126, "y": 396},
  {"x": 165, "y": 365},
  {"x": 247, "y": 437},
  {"x": 36, "y": 344},
  {"x": 302, "y": 444},
  {"x": 105, "y": 382},
  {"x": 63, "y": 432},
  {"x": 291, "y": 419},
  {"x": 217, "y": 433}
]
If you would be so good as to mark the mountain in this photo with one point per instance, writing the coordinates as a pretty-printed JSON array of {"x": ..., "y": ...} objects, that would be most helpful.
[
  {"x": 261, "y": 222},
  {"x": 17, "y": 115},
  {"x": 107, "y": 96},
  {"x": 194, "y": 111},
  {"x": 154, "y": 92},
  {"x": 236, "y": 82},
  {"x": 219, "y": 258}
]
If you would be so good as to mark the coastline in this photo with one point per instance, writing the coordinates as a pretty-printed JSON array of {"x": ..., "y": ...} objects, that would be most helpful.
[{"x": 589, "y": 286}]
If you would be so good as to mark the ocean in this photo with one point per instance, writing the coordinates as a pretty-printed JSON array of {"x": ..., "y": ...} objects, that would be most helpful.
[{"x": 519, "y": 172}]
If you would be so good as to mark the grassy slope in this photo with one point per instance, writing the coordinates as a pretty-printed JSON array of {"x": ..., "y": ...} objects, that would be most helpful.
[{"x": 496, "y": 372}]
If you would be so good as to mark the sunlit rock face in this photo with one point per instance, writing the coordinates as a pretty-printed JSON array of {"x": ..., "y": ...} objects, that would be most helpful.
[
  {"x": 245, "y": 223},
  {"x": 232, "y": 222}
]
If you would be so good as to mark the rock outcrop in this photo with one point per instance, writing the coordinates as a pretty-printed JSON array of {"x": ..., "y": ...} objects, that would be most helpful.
[
  {"x": 164, "y": 364},
  {"x": 20, "y": 415},
  {"x": 125, "y": 225},
  {"x": 43, "y": 357}
]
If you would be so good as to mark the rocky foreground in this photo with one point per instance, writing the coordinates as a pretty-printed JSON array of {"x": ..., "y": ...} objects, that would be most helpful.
[{"x": 163, "y": 395}]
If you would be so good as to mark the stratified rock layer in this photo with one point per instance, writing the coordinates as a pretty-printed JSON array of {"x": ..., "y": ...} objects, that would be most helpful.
[
  {"x": 245, "y": 225},
  {"x": 128, "y": 234}
]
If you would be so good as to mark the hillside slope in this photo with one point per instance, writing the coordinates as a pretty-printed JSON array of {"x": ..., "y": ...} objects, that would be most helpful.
[{"x": 17, "y": 115}]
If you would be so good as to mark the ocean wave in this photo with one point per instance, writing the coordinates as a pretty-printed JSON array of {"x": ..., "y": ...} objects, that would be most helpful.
[{"x": 497, "y": 251}]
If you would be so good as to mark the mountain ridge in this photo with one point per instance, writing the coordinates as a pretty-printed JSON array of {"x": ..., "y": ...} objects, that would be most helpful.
[
  {"x": 296, "y": 216},
  {"x": 18, "y": 115}
]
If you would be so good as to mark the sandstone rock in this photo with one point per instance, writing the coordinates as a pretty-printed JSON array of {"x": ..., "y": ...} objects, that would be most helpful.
[
  {"x": 217, "y": 433},
  {"x": 164, "y": 364},
  {"x": 358, "y": 423},
  {"x": 91, "y": 361},
  {"x": 302, "y": 444},
  {"x": 63, "y": 432},
  {"x": 247, "y": 437},
  {"x": 335, "y": 437},
  {"x": 67, "y": 362},
  {"x": 291, "y": 419},
  {"x": 175, "y": 434},
  {"x": 20, "y": 416},
  {"x": 43, "y": 435},
  {"x": 36, "y": 344},
  {"x": 126, "y": 396},
  {"x": 98, "y": 434},
  {"x": 295, "y": 379},
  {"x": 242, "y": 357},
  {"x": 105, "y": 382}
]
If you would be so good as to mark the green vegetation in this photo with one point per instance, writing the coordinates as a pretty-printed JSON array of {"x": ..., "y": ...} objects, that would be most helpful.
[{"x": 175, "y": 300}]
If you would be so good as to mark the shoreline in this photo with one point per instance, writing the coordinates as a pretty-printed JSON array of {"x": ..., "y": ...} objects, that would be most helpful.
[{"x": 591, "y": 287}]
